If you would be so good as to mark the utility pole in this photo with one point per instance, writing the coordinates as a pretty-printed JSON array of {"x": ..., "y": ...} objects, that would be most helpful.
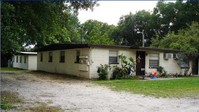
[{"x": 142, "y": 38}]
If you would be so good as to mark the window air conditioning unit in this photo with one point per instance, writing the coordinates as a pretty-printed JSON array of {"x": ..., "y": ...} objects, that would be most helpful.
[{"x": 85, "y": 57}]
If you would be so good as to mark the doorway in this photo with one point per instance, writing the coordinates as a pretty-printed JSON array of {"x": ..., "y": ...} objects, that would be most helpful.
[
  {"x": 195, "y": 66},
  {"x": 140, "y": 63}
]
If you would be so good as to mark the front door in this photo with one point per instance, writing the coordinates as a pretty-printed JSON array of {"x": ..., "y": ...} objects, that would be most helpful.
[
  {"x": 140, "y": 63},
  {"x": 195, "y": 66}
]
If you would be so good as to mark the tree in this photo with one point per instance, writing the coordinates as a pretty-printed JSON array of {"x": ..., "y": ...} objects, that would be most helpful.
[
  {"x": 95, "y": 32},
  {"x": 186, "y": 40},
  {"x": 130, "y": 27},
  {"x": 39, "y": 23},
  {"x": 166, "y": 17},
  {"x": 174, "y": 16}
]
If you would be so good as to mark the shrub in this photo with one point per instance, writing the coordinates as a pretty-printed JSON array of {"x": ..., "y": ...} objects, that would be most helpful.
[
  {"x": 103, "y": 71},
  {"x": 8, "y": 99},
  {"x": 160, "y": 69},
  {"x": 6, "y": 105},
  {"x": 127, "y": 66},
  {"x": 117, "y": 73}
]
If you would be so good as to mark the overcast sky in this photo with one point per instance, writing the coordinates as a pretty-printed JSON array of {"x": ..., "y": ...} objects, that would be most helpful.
[{"x": 110, "y": 11}]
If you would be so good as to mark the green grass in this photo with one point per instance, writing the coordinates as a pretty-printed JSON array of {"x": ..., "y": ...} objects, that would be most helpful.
[
  {"x": 45, "y": 108},
  {"x": 186, "y": 87},
  {"x": 10, "y": 69},
  {"x": 8, "y": 99}
]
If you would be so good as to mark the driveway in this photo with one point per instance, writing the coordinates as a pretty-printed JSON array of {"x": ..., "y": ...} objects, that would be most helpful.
[{"x": 78, "y": 95}]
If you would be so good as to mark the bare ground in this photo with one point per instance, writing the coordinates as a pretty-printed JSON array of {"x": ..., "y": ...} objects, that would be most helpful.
[{"x": 78, "y": 95}]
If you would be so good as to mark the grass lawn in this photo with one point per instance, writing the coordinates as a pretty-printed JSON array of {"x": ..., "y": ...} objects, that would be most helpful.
[
  {"x": 8, "y": 99},
  {"x": 10, "y": 69},
  {"x": 185, "y": 87}
]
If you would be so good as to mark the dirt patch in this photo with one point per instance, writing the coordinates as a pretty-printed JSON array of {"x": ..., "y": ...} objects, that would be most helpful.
[{"x": 74, "y": 94}]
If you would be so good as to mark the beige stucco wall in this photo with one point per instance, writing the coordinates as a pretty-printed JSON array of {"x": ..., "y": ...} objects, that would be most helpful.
[
  {"x": 95, "y": 57},
  {"x": 101, "y": 56},
  {"x": 169, "y": 65},
  {"x": 68, "y": 67},
  {"x": 18, "y": 64},
  {"x": 31, "y": 62}
]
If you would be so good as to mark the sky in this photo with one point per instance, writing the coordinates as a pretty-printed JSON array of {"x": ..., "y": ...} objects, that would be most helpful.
[{"x": 110, "y": 11}]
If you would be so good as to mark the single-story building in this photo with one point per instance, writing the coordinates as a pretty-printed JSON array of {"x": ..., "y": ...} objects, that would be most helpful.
[
  {"x": 82, "y": 60},
  {"x": 25, "y": 60}
]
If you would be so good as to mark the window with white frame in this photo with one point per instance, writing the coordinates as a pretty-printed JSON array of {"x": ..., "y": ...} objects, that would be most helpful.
[
  {"x": 16, "y": 59},
  {"x": 13, "y": 59},
  {"x": 24, "y": 59},
  {"x": 167, "y": 56},
  {"x": 50, "y": 57},
  {"x": 153, "y": 60},
  {"x": 113, "y": 57},
  {"x": 20, "y": 59},
  {"x": 62, "y": 57}
]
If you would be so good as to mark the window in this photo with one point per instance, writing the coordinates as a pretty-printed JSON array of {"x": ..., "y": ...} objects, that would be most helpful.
[
  {"x": 167, "y": 56},
  {"x": 62, "y": 56},
  {"x": 50, "y": 57},
  {"x": 41, "y": 57},
  {"x": 113, "y": 57},
  {"x": 184, "y": 63},
  {"x": 24, "y": 59},
  {"x": 17, "y": 59},
  {"x": 13, "y": 59},
  {"x": 77, "y": 56},
  {"x": 20, "y": 59},
  {"x": 153, "y": 60}
]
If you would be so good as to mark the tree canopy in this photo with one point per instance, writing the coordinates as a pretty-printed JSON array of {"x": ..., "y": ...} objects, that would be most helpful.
[
  {"x": 186, "y": 40},
  {"x": 40, "y": 23},
  {"x": 43, "y": 23},
  {"x": 95, "y": 32},
  {"x": 130, "y": 28},
  {"x": 165, "y": 18}
]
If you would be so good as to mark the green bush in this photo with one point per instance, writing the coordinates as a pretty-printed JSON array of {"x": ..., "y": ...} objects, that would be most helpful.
[
  {"x": 117, "y": 73},
  {"x": 8, "y": 99},
  {"x": 127, "y": 66},
  {"x": 6, "y": 105},
  {"x": 103, "y": 72},
  {"x": 162, "y": 71}
]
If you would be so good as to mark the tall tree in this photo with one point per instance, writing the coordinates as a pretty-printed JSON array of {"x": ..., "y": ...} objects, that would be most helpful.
[
  {"x": 166, "y": 17},
  {"x": 186, "y": 40},
  {"x": 95, "y": 32},
  {"x": 40, "y": 23},
  {"x": 174, "y": 16},
  {"x": 132, "y": 27}
]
